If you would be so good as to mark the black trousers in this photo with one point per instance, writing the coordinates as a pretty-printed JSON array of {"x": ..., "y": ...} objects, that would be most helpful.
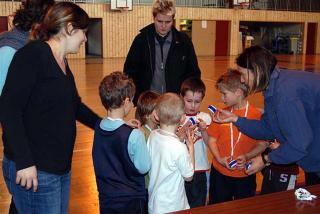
[
  {"x": 119, "y": 206},
  {"x": 274, "y": 181},
  {"x": 312, "y": 178},
  {"x": 224, "y": 188},
  {"x": 196, "y": 190}
]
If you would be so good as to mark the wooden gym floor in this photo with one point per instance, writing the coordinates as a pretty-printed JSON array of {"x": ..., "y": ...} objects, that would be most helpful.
[{"x": 88, "y": 73}]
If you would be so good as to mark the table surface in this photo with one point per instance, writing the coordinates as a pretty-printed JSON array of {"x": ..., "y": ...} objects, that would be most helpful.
[{"x": 281, "y": 202}]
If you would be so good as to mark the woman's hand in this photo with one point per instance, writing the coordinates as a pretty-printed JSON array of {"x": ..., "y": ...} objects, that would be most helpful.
[
  {"x": 28, "y": 178},
  {"x": 274, "y": 145},
  {"x": 224, "y": 116}
]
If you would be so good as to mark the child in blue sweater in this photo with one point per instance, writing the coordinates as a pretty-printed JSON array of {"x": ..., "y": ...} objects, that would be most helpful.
[{"x": 120, "y": 154}]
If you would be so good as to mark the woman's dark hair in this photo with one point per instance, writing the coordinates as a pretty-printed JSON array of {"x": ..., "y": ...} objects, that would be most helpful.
[
  {"x": 31, "y": 12},
  {"x": 58, "y": 17},
  {"x": 261, "y": 63}
]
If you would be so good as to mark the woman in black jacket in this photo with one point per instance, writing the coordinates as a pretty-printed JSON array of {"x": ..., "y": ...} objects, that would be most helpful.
[{"x": 39, "y": 108}]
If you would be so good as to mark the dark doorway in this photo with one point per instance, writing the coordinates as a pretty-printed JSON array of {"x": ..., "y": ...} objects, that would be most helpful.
[
  {"x": 3, "y": 23},
  {"x": 222, "y": 38},
  {"x": 94, "y": 39},
  {"x": 311, "y": 38}
]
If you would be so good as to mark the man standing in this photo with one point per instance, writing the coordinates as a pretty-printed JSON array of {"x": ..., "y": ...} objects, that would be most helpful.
[{"x": 160, "y": 57}]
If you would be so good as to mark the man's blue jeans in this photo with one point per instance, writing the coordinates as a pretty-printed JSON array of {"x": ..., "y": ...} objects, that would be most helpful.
[{"x": 52, "y": 195}]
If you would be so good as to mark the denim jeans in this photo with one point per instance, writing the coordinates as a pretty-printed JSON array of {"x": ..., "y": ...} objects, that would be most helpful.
[{"x": 52, "y": 196}]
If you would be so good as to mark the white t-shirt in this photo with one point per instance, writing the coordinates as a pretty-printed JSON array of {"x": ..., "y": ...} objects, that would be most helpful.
[
  {"x": 200, "y": 148},
  {"x": 171, "y": 163}
]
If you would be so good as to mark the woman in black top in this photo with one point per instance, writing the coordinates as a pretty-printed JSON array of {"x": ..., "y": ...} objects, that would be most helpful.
[{"x": 39, "y": 108}]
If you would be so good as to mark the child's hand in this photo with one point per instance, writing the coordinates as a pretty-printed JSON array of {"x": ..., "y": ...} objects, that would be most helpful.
[
  {"x": 193, "y": 129},
  {"x": 202, "y": 126},
  {"x": 241, "y": 161},
  {"x": 191, "y": 138},
  {"x": 225, "y": 162},
  {"x": 134, "y": 123},
  {"x": 181, "y": 132}
]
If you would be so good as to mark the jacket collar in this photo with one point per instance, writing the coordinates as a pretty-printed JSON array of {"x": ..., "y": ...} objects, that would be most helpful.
[{"x": 15, "y": 38}]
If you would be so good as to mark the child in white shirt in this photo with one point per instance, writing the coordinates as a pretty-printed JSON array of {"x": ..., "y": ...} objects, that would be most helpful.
[
  {"x": 172, "y": 160},
  {"x": 192, "y": 92}
]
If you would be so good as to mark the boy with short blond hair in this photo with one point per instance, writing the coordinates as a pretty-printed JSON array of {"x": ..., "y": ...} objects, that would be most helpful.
[
  {"x": 232, "y": 149},
  {"x": 172, "y": 160},
  {"x": 120, "y": 155},
  {"x": 164, "y": 7}
]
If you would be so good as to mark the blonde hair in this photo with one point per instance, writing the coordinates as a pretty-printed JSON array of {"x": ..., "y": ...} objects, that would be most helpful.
[
  {"x": 231, "y": 81},
  {"x": 170, "y": 109},
  {"x": 165, "y": 7}
]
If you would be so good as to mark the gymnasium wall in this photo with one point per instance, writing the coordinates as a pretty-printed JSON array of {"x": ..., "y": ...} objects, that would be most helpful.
[
  {"x": 119, "y": 28},
  {"x": 203, "y": 37}
]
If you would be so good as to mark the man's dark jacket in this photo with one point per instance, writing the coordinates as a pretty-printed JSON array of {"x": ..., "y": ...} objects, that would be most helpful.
[{"x": 181, "y": 61}]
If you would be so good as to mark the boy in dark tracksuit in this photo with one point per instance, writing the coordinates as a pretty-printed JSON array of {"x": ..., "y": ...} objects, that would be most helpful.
[
  {"x": 120, "y": 154},
  {"x": 279, "y": 177}
]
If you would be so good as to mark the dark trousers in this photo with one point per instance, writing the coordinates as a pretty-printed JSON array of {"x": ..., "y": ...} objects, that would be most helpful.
[
  {"x": 274, "y": 181},
  {"x": 312, "y": 178},
  {"x": 224, "y": 188},
  {"x": 196, "y": 190},
  {"x": 119, "y": 206}
]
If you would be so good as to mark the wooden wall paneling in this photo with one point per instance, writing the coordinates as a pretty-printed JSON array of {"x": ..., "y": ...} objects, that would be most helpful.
[
  {"x": 305, "y": 32},
  {"x": 119, "y": 29},
  {"x": 234, "y": 37},
  {"x": 204, "y": 38}
]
